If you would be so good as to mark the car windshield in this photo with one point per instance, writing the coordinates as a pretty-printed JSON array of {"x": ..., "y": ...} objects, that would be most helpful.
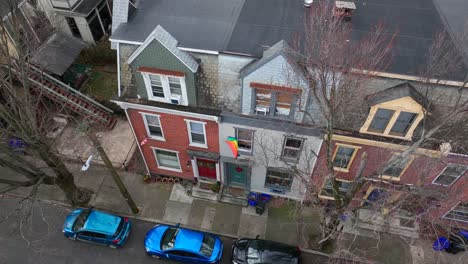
[
  {"x": 266, "y": 252},
  {"x": 207, "y": 245},
  {"x": 119, "y": 228},
  {"x": 81, "y": 220},
  {"x": 169, "y": 238}
]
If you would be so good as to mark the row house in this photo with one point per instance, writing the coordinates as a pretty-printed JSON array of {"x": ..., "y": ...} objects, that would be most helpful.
[
  {"x": 233, "y": 66},
  {"x": 429, "y": 184}
]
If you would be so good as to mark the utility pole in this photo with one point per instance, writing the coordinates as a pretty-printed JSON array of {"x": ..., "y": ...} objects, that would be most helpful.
[{"x": 113, "y": 171}]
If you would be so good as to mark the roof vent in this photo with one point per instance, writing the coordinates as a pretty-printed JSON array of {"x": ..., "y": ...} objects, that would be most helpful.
[
  {"x": 344, "y": 9},
  {"x": 308, "y": 3}
]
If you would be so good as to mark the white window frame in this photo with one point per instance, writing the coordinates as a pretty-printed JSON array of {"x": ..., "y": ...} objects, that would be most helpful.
[
  {"x": 148, "y": 132},
  {"x": 189, "y": 131},
  {"x": 456, "y": 179},
  {"x": 166, "y": 88},
  {"x": 451, "y": 209},
  {"x": 167, "y": 168}
]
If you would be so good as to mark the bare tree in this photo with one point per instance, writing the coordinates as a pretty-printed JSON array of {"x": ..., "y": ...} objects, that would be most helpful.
[{"x": 25, "y": 118}]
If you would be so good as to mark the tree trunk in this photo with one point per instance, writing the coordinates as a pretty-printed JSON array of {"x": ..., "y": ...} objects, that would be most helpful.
[{"x": 64, "y": 178}]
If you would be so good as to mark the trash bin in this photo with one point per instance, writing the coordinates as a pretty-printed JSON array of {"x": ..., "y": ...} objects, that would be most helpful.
[
  {"x": 260, "y": 207},
  {"x": 440, "y": 244},
  {"x": 252, "y": 198},
  {"x": 457, "y": 243}
]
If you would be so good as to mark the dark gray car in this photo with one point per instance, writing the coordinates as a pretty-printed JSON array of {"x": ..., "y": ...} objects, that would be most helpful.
[{"x": 256, "y": 251}]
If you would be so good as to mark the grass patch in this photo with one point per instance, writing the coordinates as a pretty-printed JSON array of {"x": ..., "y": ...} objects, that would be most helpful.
[{"x": 101, "y": 85}]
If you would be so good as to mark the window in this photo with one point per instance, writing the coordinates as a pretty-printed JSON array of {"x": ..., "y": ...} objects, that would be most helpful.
[
  {"x": 156, "y": 85},
  {"x": 278, "y": 179},
  {"x": 344, "y": 156},
  {"x": 380, "y": 120},
  {"x": 153, "y": 126},
  {"x": 166, "y": 159},
  {"x": 403, "y": 123},
  {"x": 292, "y": 148},
  {"x": 397, "y": 168},
  {"x": 163, "y": 88},
  {"x": 393, "y": 122},
  {"x": 327, "y": 189},
  {"x": 81, "y": 220},
  {"x": 450, "y": 174},
  {"x": 458, "y": 213},
  {"x": 282, "y": 105},
  {"x": 245, "y": 139},
  {"x": 197, "y": 135},
  {"x": 262, "y": 102},
  {"x": 207, "y": 245},
  {"x": 175, "y": 86},
  {"x": 169, "y": 237}
]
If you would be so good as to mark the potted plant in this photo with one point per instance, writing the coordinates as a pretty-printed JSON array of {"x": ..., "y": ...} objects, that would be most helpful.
[{"x": 215, "y": 187}]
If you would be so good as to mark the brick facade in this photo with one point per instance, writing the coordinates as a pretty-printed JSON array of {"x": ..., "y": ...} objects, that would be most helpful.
[
  {"x": 176, "y": 139},
  {"x": 421, "y": 172}
]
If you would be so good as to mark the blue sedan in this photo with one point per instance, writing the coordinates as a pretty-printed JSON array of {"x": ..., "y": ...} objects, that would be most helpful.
[
  {"x": 94, "y": 226},
  {"x": 185, "y": 245}
]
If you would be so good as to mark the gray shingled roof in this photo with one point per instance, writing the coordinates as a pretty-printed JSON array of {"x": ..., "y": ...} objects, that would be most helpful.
[
  {"x": 249, "y": 27},
  {"x": 397, "y": 92},
  {"x": 58, "y": 53}
]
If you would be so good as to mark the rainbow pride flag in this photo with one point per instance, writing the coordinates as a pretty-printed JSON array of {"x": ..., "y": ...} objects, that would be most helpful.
[{"x": 232, "y": 143}]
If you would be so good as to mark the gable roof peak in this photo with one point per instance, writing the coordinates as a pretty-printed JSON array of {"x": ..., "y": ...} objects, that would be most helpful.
[
  {"x": 170, "y": 43},
  {"x": 396, "y": 92}
]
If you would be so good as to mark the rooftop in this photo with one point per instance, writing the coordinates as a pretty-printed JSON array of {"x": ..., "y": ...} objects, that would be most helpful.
[{"x": 250, "y": 27}]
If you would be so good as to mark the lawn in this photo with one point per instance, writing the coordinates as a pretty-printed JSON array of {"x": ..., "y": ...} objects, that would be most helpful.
[{"x": 101, "y": 84}]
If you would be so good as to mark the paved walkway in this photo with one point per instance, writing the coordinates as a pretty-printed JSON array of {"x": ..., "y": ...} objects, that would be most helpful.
[{"x": 169, "y": 203}]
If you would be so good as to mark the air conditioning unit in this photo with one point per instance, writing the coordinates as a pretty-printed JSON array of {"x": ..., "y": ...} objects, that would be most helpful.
[
  {"x": 176, "y": 99},
  {"x": 261, "y": 110}
]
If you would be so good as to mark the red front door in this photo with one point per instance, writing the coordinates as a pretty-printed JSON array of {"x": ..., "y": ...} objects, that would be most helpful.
[{"x": 206, "y": 168}]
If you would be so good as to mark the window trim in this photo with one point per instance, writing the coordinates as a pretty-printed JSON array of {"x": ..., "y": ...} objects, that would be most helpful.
[
  {"x": 166, "y": 168},
  {"x": 456, "y": 179},
  {"x": 395, "y": 178},
  {"x": 189, "y": 131},
  {"x": 244, "y": 151},
  {"x": 356, "y": 149},
  {"x": 271, "y": 109},
  {"x": 166, "y": 88},
  {"x": 300, "y": 149},
  {"x": 451, "y": 209},
  {"x": 329, "y": 197},
  {"x": 280, "y": 170},
  {"x": 365, "y": 129},
  {"x": 148, "y": 133}
]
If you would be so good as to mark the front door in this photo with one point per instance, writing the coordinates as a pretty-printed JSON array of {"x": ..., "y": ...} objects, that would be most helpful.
[
  {"x": 236, "y": 174},
  {"x": 206, "y": 168}
]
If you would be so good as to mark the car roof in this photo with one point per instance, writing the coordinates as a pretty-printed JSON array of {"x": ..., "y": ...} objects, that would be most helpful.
[
  {"x": 101, "y": 222},
  {"x": 274, "y": 251},
  {"x": 188, "y": 240}
]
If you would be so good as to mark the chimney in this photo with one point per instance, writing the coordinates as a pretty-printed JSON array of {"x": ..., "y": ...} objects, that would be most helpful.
[
  {"x": 120, "y": 13},
  {"x": 344, "y": 9},
  {"x": 308, "y": 3}
]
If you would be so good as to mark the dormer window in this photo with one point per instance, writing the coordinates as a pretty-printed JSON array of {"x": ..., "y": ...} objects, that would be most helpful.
[
  {"x": 272, "y": 100},
  {"x": 165, "y": 86},
  {"x": 395, "y": 112},
  {"x": 391, "y": 122}
]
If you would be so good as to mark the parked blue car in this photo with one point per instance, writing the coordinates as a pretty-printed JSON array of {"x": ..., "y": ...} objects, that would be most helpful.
[
  {"x": 98, "y": 227},
  {"x": 181, "y": 244}
]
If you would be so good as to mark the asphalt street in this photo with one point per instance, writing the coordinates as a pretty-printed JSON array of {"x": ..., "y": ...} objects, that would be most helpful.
[{"x": 39, "y": 239}]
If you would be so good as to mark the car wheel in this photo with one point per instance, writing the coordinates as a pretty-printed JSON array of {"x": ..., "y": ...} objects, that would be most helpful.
[
  {"x": 113, "y": 246},
  {"x": 155, "y": 256}
]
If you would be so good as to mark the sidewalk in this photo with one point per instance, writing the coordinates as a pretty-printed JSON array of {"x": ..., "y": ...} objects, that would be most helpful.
[{"x": 169, "y": 203}]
